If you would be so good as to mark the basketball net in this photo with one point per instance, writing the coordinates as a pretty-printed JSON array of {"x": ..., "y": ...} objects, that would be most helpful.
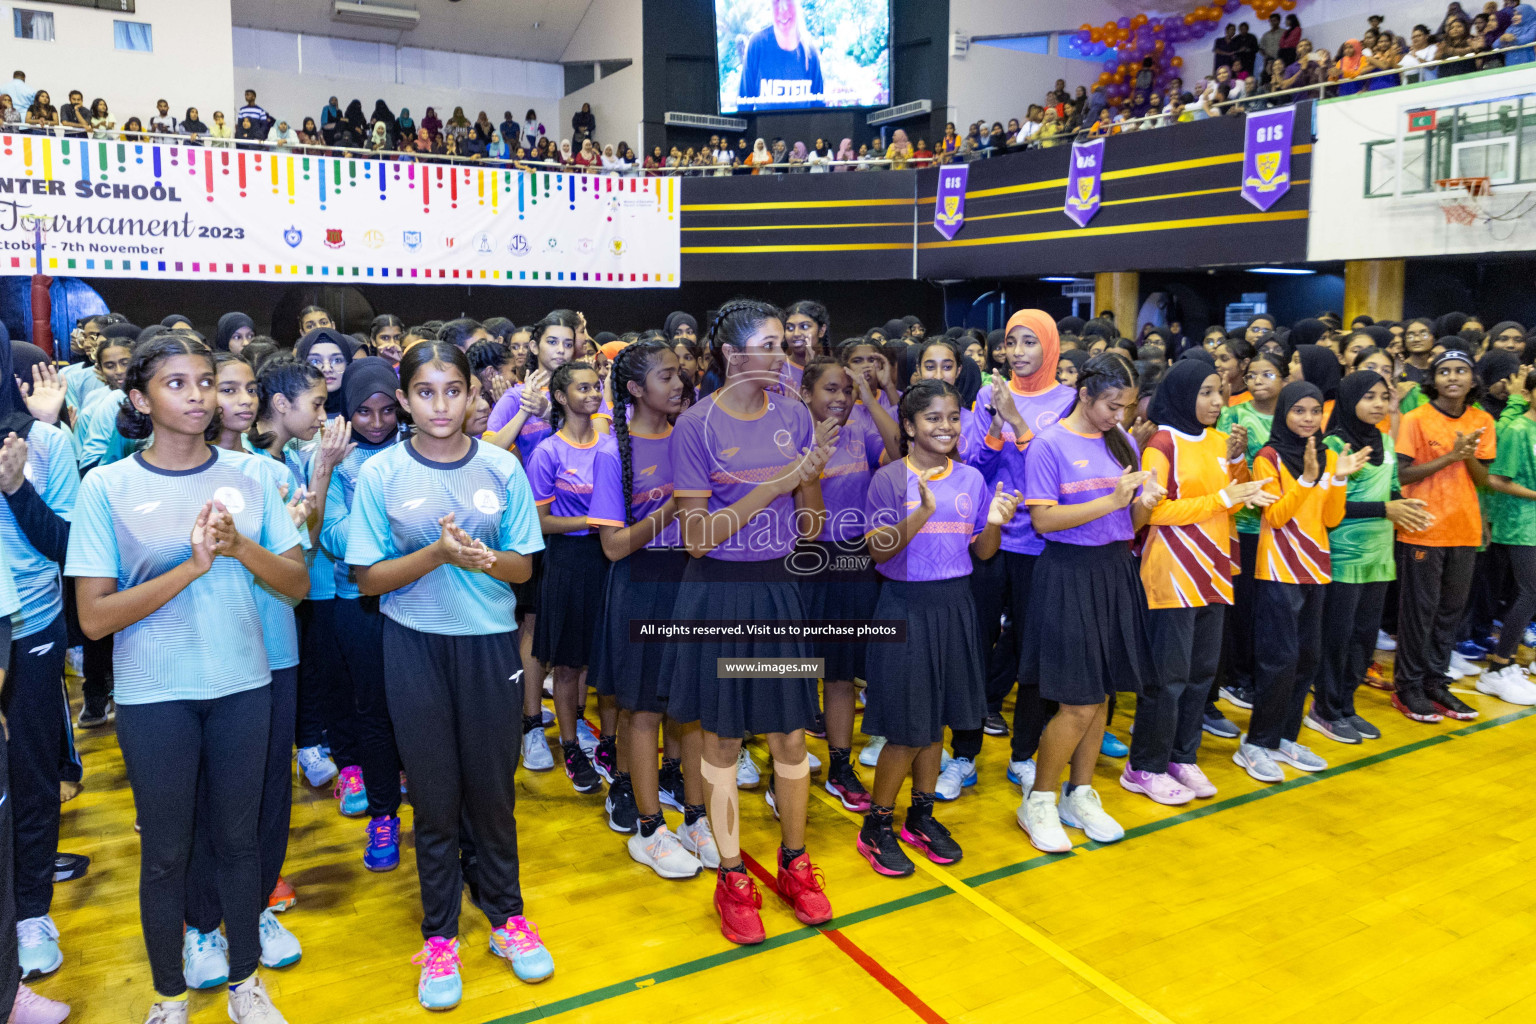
[{"x": 1461, "y": 199}]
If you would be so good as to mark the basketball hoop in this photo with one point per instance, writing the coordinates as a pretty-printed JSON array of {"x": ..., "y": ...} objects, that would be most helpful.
[{"x": 1461, "y": 199}]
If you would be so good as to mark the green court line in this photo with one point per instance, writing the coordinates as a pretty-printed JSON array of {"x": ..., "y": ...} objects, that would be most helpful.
[{"x": 843, "y": 921}]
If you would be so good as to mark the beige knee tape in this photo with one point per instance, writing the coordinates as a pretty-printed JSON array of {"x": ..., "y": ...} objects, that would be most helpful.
[
  {"x": 797, "y": 770},
  {"x": 724, "y": 807}
]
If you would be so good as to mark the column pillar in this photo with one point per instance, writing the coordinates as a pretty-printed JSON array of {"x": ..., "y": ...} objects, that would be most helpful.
[
  {"x": 1373, "y": 288},
  {"x": 1121, "y": 293}
]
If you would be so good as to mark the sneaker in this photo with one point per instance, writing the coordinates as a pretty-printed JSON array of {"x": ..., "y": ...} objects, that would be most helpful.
[
  {"x": 317, "y": 768},
  {"x": 1339, "y": 731},
  {"x": 814, "y": 762},
  {"x": 1384, "y": 641},
  {"x": 1193, "y": 779},
  {"x": 669, "y": 789},
  {"x": 993, "y": 724},
  {"x": 870, "y": 755},
  {"x": 282, "y": 897},
  {"x": 74, "y": 661},
  {"x": 37, "y": 941},
  {"x": 250, "y": 1004},
  {"x": 174, "y": 1012},
  {"x": 439, "y": 987},
  {"x": 1038, "y": 817},
  {"x": 537, "y": 756},
  {"x": 204, "y": 959},
  {"x": 1022, "y": 774},
  {"x": 1461, "y": 663},
  {"x": 802, "y": 887},
  {"x": 1218, "y": 725},
  {"x": 96, "y": 717},
  {"x": 818, "y": 727},
  {"x": 1238, "y": 697},
  {"x": 959, "y": 773},
  {"x": 69, "y": 866},
  {"x": 738, "y": 903},
  {"x": 586, "y": 737},
  {"x": 622, "y": 813},
  {"x": 1528, "y": 638},
  {"x": 383, "y": 850},
  {"x": 771, "y": 801},
  {"x": 31, "y": 1008},
  {"x": 747, "y": 775},
  {"x": 1471, "y": 650},
  {"x": 1507, "y": 684},
  {"x": 877, "y": 844},
  {"x": 578, "y": 768},
  {"x": 1375, "y": 680},
  {"x": 1450, "y": 705},
  {"x": 1082, "y": 809},
  {"x": 1110, "y": 746},
  {"x": 1159, "y": 787},
  {"x": 279, "y": 946},
  {"x": 931, "y": 837},
  {"x": 1298, "y": 757},
  {"x": 1416, "y": 706},
  {"x": 663, "y": 852},
  {"x": 518, "y": 942},
  {"x": 698, "y": 840},
  {"x": 1454, "y": 674},
  {"x": 1257, "y": 762},
  {"x": 546, "y": 716},
  {"x": 605, "y": 761},
  {"x": 350, "y": 791},
  {"x": 843, "y": 783},
  {"x": 1366, "y": 730}
]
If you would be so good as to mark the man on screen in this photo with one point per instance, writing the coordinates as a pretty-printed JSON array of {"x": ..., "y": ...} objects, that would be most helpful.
[{"x": 782, "y": 70}]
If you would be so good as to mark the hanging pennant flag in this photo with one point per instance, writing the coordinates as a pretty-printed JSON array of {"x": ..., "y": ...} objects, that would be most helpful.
[
  {"x": 949, "y": 207},
  {"x": 1084, "y": 180},
  {"x": 1267, "y": 156}
]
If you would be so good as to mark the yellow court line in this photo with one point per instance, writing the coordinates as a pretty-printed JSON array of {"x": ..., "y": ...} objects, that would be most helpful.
[
  {"x": 700, "y": 249},
  {"x": 818, "y": 204},
  {"x": 1122, "y": 229},
  {"x": 791, "y": 227}
]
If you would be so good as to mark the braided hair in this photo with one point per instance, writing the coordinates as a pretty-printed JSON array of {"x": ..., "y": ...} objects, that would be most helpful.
[
  {"x": 147, "y": 357},
  {"x": 561, "y": 382},
  {"x": 556, "y": 318},
  {"x": 917, "y": 398},
  {"x": 282, "y": 375},
  {"x": 633, "y": 363},
  {"x": 734, "y": 323},
  {"x": 1099, "y": 376}
]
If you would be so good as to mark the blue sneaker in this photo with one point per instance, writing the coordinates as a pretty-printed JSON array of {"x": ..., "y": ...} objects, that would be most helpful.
[
  {"x": 1529, "y": 637},
  {"x": 518, "y": 941},
  {"x": 351, "y": 792},
  {"x": 383, "y": 852},
  {"x": 1472, "y": 650},
  {"x": 1111, "y": 746},
  {"x": 440, "y": 986},
  {"x": 37, "y": 941}
]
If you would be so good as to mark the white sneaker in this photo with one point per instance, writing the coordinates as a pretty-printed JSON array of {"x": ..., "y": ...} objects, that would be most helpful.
[
  {"x": 168, "y": 1013},
  {"x": 1082, "y": 809},
  {"x": 1461, "y": 664},
  {"x": 586, "y": 738},
  {"x": 1452, "y": 673},
  {"x": 663, "y": 852},
  {"x": 814, "y": 761},
  {"x": 958, "y": 773},
  {"x": 37, "y": 946},
  {"x": 698, "y": 840},
  {"x": 204, "y": 959},
  {"x": 317, "y": 768},
  {"x": 1257, "y": 761},
  {"x": 1384, "y": 641},
  {"x": 279, "y": 946},
  {"x": 870, "y": 755},
  {"x": 1038, "y": 818},
  {"x": 546, "y": 717},
  {"x": 747, "y": 775},
  {"x": 250, "y": 1004},
  {"x": 536, "y": 753},
  {"x": 1298, "y": 756},
  {"x": 1023, "y": 773},
  {"x": 1507, "y": 684}
]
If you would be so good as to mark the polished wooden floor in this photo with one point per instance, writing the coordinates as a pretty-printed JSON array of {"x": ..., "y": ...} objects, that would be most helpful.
[{"x": 1393, "y": 887}]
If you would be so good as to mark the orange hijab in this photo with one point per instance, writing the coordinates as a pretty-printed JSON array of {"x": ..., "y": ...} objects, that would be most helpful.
[
  {"x": 1351, "y": 66},
  {"x": 1044, "y": 328}
]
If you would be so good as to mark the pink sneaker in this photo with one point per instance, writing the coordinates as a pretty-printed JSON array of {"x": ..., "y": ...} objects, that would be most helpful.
[
  {"x": 31, "y": 1008},
  {"x": 1192, "y": 778},
  {"x": 1159, "y": 786}
]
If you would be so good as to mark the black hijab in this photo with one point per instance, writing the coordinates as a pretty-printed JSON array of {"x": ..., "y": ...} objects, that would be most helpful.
[
  {"x": 365, "y": 378},
  {"x": 348, "y": 348},
  {"x": 677, "y": 317},
  {"x": 1173, "y": 404},
  {"x": 13, "y": 408},
  {"x": 1076, "y": 356},
  {"x": 1291, "y": 448},
  {"x": 1320, "y": 367},
  {"x": 1306, "y": 332},
  {"x": 229, "y": 323},
  {"x": 354, "y": 116},
  {"x": 894, "y": 330},
  {"x": 1199, "y": 355},
  {"x": 174, "y": 319},
  {"x": 1450, "y": 323},
  {"x": 1382, "y": 336},
  {"x": 1492, "y": 368},
  {"x": 968, "y": 382},
  {"x": 1350, "y": 428}
]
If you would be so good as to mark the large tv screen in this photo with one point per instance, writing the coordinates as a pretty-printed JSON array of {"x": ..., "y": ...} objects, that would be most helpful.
[{"x": 803, "y": 54}]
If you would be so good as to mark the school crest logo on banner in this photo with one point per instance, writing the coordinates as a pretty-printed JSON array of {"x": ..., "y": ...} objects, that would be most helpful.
[
  {"x": 1085, "y": 175},
  {"x": 949, "y": 206},
  {"x": 293, "y": 236},
  {"x": 1267, "y": 156},
  {"x": 412, "y": 241},
  {"x": 333, "y": 238}
]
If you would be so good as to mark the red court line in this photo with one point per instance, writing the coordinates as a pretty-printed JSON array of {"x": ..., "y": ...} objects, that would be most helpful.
[{"x": 869, "y": 964}]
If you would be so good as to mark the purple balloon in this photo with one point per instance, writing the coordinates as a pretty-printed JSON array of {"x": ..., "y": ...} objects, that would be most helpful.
[
  {"x": 1124, "y": 23},
  {"x": 1231, "y": 6},
  {"x": 1109, "y": 65}
]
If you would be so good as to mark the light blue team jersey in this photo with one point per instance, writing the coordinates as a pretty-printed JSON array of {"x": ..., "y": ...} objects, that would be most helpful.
[
  {"x": 10, "y": 601},
  {"x": 80, "y": 382},
  {"x": 96, "y": 424},
  {"x": 132, "y": 523},
  {"x": 401, "y": 495},
  {"x": 279, "y": 630},
  {"x": 55, "y": 476},
  {"x": 338, "y": 514},
  {"x": 300, "y": 458}
]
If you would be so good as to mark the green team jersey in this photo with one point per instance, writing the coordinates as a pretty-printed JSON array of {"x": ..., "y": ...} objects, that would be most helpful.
[
  {"x": 1258, "y": 424},
  {"x": 1514, "y": 519},
  {"x": 1412, "y": 400},
  {"x": 1362, "y": 548}
]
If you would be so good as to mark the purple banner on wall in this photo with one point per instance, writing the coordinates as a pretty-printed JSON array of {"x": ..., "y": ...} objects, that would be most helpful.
[
  {"x": 949, "y": 208},
  {"x": 1267, "y": 156},
  {"x": 1084, "y": 181}
]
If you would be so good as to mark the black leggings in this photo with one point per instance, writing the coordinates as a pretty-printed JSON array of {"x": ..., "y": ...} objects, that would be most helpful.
[
  {"x": 1522, "y": 563},
  {"x": 168, "y": 747},
  {"x": 360, "y": 634},
  {"x": 38, "y": 713},
  {"x": 325, "y": 702}
]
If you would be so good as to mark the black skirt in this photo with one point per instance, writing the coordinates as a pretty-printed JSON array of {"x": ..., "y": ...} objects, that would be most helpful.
[
  {"x": 526, "y": 594},
  {"x": 933, "y": 680},
  {"x": 642, "y": 586},
  {"x": 719, "y": 590},
  {"x": 837, "y": 593},
  {"x": 1085, "y": 636},
  {"x": 570, "y": 599}
]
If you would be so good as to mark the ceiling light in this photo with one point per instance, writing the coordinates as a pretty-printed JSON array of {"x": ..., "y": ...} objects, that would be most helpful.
[
  {"x": 1279, "y": 270},
  {"x": 1059, "y": 280}
]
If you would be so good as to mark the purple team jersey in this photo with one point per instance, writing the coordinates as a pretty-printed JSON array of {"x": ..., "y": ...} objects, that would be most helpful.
[
  {"x": 718, "y": 455},
  {"x": 941, "y": 549},
  {"x": 845, "y": 480},
  {"x": 1063, "y": 467},
  {"x": 1039, "y": 410},
  {"x": 561, "y": 473},
  {"x": 535, "y": 428},
  {"x": 650, "y": 459}
]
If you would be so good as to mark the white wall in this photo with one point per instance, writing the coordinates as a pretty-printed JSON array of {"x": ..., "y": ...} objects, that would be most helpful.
[
  {"x": 191, "y": 65},
  {"x": 610, "y": 31}
]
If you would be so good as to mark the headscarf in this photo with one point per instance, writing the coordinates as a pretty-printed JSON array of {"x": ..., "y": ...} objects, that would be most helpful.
[
  {"x": 799, "y": 152},
  {"x": 1502, "y": 326},
  {"x": 1173, "y": 404},
  {"x": 13, "y": 408},
  {"x": 1044, "y": 328},
  {"x": 1291, "y": 448},
  {"x": 1306, "y": 332},
  {"x": 611, "y": 349},
  {"x": 1382, "y": 336},
  {"x": 1350, "y": 64},
  {"x": 677, "y": 318},
  {"x": 1321, "y": 368},
  {"x": 1197, "y": 354},
  {"x": 759, "y": 150},
  {"x": 1349, "y": 427},
  {"x": 1493, "y": 367},
  {"x": 354, "y": 116},
  {"x": 174, "y": 319},
  {"x": 1450, "y": 323},
  {"x": 1525, "y": 30},
  {"x": 149, "y": 332},
  {"x": 348, "y": 348},
  {"x": 967, "y": 382},
  {"x": 1077, "y": 357},
  {"x": 565, "y": 151},
  {"x": 894, "y": 330},
  {"x": 381, "y": 112},
  {"x": 229, "y": 323},
  {"x": 365, "y": 378},
  {"x": 845, "y": 152}
]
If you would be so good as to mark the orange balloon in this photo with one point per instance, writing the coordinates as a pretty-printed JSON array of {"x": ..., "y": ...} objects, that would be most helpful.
[
  {"x": 1158, "y": 46},
  {"x": 1190, "y": 19},
  {"x": 1138, "y": 21},
  {"x": 1177, "y": 62},
  {"x": 1085, "y": 27},
  {"x": 1287, "y": 5}
]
